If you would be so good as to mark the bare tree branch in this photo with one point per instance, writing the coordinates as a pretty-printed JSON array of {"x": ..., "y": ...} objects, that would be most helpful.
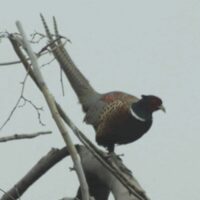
[
  {"x": 97, "y": 174},
  {"x": 23, "y": 136},
  {"x": 43, "y": 165},
  {"x": 17, "y": 105},
  {"x": 52, "y": 106},
  {"x": 100, "y": 180},
  {"x": 42, "y": 52}
]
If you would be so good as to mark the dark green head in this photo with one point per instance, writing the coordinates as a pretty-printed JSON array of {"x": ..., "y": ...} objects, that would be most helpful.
[{"x": 143, "y": 109}]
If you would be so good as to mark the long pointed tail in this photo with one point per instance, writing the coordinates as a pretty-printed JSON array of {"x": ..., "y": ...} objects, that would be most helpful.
[{"x": 85, "y": 92}]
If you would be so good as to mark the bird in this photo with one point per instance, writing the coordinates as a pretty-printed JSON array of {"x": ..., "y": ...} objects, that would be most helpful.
[{"x": 117, "y": 117}]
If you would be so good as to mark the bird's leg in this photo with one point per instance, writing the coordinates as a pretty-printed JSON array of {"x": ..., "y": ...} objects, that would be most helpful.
[
  {"x": 111, "y": 149},
  {"x": 111, "y": 152}
]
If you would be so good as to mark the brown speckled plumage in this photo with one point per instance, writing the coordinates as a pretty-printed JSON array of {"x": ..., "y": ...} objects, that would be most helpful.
[{"x": 114, "y": 123}]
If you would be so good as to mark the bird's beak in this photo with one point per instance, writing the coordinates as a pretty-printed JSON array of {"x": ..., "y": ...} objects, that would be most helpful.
[{"x": 162, "y": 108}]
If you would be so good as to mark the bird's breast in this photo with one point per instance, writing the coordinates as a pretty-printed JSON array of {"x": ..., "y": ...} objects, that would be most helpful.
[
  {"x": 121, "y": 130},
  {"x": 131, "y": 130}
]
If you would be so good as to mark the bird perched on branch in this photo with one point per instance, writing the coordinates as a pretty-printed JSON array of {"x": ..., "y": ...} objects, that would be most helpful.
[{"x": 117, "y": 117}]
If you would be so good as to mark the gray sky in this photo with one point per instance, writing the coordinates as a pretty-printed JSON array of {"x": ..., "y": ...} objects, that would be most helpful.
[{"x": 141, "y": 47}]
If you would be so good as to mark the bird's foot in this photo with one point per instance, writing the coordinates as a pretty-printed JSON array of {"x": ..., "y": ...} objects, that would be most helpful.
[{"x": 113, "y": 155}]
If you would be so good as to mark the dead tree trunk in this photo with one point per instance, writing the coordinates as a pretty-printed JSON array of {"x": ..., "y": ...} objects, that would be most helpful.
[{"x": 100, "y": 180}]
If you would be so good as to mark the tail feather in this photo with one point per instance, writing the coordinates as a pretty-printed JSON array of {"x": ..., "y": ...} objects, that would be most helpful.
[{"x": 84, "y": 91}]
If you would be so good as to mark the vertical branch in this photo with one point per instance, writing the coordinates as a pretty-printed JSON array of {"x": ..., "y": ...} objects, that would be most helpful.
[{"x": 55, "y": 114}]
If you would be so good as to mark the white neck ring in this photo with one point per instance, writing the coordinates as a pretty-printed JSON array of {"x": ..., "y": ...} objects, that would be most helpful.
[{"x": 136, "y": 116}]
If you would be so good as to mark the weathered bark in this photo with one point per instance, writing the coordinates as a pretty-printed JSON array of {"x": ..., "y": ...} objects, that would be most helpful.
[
  {"x": 100, "y": 180},
  {"x": 43, "y": 165},
  {"x": 99, "y": 175}
]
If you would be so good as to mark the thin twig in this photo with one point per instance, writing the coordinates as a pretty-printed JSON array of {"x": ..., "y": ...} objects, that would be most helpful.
[
  {"x": 23, "y": 136},
  {"x": 36, "y": 34},
  {"x": 10, "y": 63},
  {"x": 48, "y": 63},
  {"x": 17, "y": 105},
  {"x": 42, "y": 52},
  {"x": 37, "y": 109}
]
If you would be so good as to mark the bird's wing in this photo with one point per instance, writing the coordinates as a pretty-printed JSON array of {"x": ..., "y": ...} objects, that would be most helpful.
[
  {"x": 108, "y": 106},
  {"x": 93, "y": 114},
  {"x": 112, "y": 114}
]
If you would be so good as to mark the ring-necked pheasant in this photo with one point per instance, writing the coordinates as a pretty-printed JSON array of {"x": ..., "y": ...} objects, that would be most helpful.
[{"x": 117, "y": 117}]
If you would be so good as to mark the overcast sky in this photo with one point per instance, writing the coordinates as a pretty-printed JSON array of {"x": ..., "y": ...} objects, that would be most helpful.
[{"x": 141, "y": 47}]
